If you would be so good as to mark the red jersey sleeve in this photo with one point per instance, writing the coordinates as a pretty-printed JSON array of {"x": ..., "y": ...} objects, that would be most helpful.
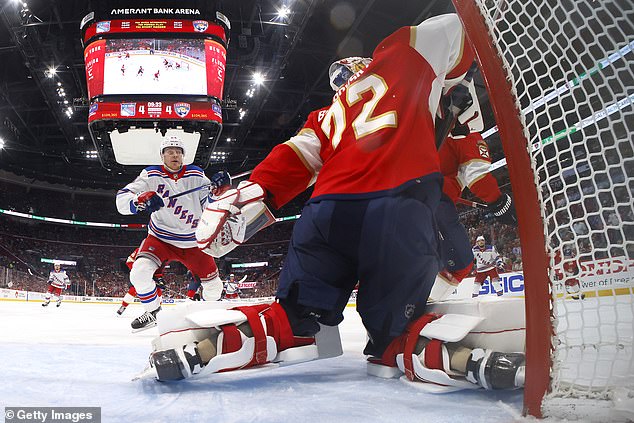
[{"x": 291, "y": 167}]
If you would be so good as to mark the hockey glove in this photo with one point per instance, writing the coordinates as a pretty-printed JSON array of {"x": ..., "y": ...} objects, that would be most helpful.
[
  {"x": 223, "y": 224},
  {"x": 149, "y": 201},
  {"x": 159, "y": 281},
  {"x": 220, "y": 183},
  {"x": 503, "y": 209}
]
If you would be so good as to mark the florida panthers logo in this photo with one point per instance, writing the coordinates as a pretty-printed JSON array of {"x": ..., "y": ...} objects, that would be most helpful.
[
  {"x": 483, "y": 149},
  {"x": 182, "y": 109},
  {"x": 200, "y": 26}
]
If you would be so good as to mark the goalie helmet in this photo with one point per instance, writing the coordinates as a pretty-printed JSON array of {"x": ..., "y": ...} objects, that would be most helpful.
[
  {"x": 341, "y": 70},
  {"x": 172, "y": 141}
]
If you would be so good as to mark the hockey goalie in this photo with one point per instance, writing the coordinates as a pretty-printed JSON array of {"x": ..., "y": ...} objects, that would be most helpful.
[{"x": 372, "y": 158}]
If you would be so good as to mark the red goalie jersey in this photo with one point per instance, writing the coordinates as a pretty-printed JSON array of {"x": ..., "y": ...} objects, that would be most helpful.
[{"x": 377, "y": 137}]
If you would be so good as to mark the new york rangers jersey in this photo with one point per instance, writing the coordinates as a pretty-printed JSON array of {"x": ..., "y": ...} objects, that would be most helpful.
[
  {"x": 176, "y": 222},
  {"x": 377, "y": 137},
  {"x": 465, "y": 163},
  {"x": 58, "y": 279},
  {"x": 486, "y": 258}
]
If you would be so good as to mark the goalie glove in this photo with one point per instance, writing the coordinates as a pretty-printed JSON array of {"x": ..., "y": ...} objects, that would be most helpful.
[
  {"x": 503, "y": 209},
  {"x": 232, "y": 219},
  {"x": 149, "y": 201}
]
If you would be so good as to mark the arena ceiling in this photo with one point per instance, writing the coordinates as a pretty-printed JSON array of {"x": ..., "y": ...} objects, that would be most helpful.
[{"x": 293, "y": 53}]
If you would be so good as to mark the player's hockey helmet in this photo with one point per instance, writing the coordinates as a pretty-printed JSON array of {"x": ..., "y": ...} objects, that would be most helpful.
[
  {"x": 57, "y": 266},
  {"x": 480, "y": 238},
  {"x": 341, "y": 70},
  {"x": 172, "y": 141}
]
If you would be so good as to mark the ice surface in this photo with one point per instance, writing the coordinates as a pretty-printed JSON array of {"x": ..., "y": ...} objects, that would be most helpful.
[{"x": 82, "y": 355}]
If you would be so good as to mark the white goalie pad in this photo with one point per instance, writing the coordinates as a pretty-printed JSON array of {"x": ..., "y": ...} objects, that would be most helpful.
[
  {"x": 437, "y": 381},
  {"x": 196, "y": 321},
  {"x": 450, "y": 327},
  {"x": 502, "y": 327},
  {"x": 239, "y": 228}
]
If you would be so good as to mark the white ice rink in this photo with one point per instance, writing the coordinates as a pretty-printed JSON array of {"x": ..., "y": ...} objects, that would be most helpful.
[{"x": 82, "y": 355}]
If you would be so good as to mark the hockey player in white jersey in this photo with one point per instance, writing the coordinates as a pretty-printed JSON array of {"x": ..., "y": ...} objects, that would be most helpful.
[
  {"x": 370, "y": 221},
  {"x": 488, "y": 261},
  {"x": 58, "y": 280},
  {"x": 232, "y": 287},
  {"x": 172, "y": 225}
]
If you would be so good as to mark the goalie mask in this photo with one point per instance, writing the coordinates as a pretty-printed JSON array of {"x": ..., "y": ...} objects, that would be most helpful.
[{"x": 341, "y": 70}]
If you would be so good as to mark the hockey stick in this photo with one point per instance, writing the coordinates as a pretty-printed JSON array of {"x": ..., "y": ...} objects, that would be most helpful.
[
  {"x": 471, "y": 203},
  {"x": 189, "y": 191},
  {"x": 459, "y": 101}
]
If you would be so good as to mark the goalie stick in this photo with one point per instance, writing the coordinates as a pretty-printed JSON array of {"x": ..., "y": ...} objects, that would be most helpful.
[
  {"x": 471, "y": 203},
  {"x": 189, "y": 191}
]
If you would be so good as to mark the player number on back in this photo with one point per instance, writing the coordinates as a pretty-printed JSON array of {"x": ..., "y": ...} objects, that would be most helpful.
[{"x": 365, "y": 123}]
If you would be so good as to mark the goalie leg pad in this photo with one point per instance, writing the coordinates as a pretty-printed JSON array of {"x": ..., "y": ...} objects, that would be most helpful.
[
  {"x": 420, "y": 353},
  {"x": 240, "y": 338}
]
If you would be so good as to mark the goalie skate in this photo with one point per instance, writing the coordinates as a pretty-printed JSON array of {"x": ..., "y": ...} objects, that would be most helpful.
[{"x": 496, "y": 370}]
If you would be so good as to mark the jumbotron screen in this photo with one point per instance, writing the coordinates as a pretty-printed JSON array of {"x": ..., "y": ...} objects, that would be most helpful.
[{"x": 155, "y": 66}]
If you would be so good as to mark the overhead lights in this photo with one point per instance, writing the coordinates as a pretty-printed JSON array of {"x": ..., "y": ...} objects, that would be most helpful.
[
  {"x": 283, "y": 12},
  {"x": 91, "y": 154},
  {"x": 1, "y": 143},
  {"x": 50, "y": 72},
  {"x": 219, "y": 156},
  {"x": 258, "y": 78},
  {"x": 242, "y": 112}
]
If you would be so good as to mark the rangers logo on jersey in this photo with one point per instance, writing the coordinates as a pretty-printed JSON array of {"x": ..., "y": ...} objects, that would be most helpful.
[
  {"x": 200, "y": 26},
  {"x": 182, "y": 109},
  {"x": 93, "y": 108}
]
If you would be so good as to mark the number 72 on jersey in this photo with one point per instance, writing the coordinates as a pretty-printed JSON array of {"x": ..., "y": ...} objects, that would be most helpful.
[{"x": 365, "y": 123}]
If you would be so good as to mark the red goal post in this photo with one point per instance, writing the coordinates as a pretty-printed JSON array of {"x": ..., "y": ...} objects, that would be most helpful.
[{"x": 517, "y": 45}]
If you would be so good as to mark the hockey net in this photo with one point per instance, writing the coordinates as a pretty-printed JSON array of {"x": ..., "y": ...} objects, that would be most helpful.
[{"x": 560, "y": 77}]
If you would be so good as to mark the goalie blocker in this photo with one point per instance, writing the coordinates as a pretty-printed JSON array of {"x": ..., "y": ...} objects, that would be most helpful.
[{"x": 199, "y": 338}]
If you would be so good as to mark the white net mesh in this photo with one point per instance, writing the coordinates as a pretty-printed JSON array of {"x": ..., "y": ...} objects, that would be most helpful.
[{"x": 571, "y": 64}]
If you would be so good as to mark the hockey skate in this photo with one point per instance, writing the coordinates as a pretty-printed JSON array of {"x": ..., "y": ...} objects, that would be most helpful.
[
  {"x": 496, "y": 370},
  {"x": 121, "y": 310},
  {"x": 59, "y": 302},
  {"x": 46, "y": 302},
  {"x": 145, "y": 321}
]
